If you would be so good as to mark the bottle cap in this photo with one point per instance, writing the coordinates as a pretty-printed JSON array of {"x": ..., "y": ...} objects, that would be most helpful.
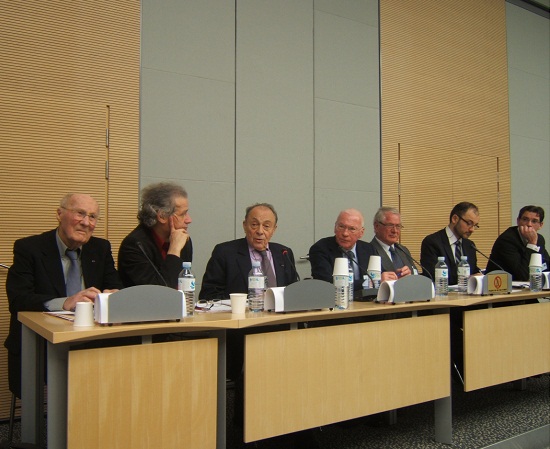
[
  {"x": 255, "y": 263},
  {"x": 186, "y": 265},
  {"x": 463, "y": 257},
  {"x": 441, "y": 258}
]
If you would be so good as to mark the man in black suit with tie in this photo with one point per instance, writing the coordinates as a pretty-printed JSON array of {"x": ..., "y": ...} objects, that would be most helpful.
[
  {"x": 56, "y": 269},
  {"x": 348, "y": 229},
  {"x": 396, "y": 258},
  {"x": 227, "y": 270},
  {"x": 452, "y": 242}
]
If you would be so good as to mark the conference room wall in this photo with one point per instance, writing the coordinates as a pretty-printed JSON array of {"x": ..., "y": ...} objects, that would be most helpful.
[
  {"x": 528, "y": 37},
  {"x": 262, "y": 101}
]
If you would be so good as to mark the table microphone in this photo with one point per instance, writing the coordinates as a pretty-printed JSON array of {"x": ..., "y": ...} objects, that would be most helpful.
[
  {"x": 285, "y": 254},
  {"x": 398, "y": 245},
  {"x": 351, "y": 256},
  {"x": 140, "y": 245},
  {"x": 489, "y": 259}
]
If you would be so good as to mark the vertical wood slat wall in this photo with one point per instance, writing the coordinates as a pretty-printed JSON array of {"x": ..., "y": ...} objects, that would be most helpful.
[
  {"x": 444, "y": 99},
  {"x": 69, "y": 70}
]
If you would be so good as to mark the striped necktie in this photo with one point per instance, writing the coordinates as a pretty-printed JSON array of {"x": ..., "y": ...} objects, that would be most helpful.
[
  {"x": 397, "y": 262},
  {"x": 458, "y": 250}
]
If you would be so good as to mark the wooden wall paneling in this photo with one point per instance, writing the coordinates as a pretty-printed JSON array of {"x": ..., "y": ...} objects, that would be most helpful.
[
  {"x": 62, "y": 64},
  {"x": 444, "y": 85}
]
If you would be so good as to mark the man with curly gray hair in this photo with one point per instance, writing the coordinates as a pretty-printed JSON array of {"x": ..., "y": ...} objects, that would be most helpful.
[{"x": 154, "y": 251}]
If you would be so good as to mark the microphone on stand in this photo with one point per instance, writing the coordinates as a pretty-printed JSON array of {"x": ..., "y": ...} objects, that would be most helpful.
[
  {"x": 285, "y": 254},
  {"x": 140, "y": 245},
  {"x": 488, "y": 258},
  {"x": 351, "y": 256},
  {"x": 398, "y": 245}
]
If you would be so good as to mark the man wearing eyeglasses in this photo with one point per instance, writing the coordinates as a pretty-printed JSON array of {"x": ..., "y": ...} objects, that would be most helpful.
[
  {"x": 396, "y": 258},
  {"x": 55, "y": 270},
  {"x": 152, "y": 254},
  {"x": 513, "y": 248},
  {"x": 452, "y": 242},
  {"x": 348, "y": 229}
]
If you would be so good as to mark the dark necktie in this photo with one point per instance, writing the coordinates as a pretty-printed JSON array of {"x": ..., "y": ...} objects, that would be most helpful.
[
  {"x": 458, "y": 251},
  {"x": 268, "y": 270},
  {"x": 73, "y": 275},
  {"x": 354, "y": 265},
  {"x": 397, "y": 262}
]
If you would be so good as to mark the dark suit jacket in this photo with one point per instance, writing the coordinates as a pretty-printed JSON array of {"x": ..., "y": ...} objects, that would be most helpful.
[
  {"x": 36, "y": 276},
  {"x": 387, "y": 264},
  {"x": 323, "y": 253},
  {"x": 228, "y": 268},
  {"x": 513, "y": 256},
  {"x": 135, "y": 269},
  {"x": 437, "y": 244}
]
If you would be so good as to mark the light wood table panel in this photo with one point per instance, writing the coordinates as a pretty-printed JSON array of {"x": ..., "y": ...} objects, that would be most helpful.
[
  {"x": 143, "y": 396},
  {"x": 60, "y": 335},
  {"x": 503, "y": 344},
  {"x": 304, "y": 378}
]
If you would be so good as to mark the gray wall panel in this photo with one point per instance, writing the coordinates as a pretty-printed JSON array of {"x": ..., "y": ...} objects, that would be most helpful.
[
  {"x": 528, "y": 39},
  {"x": 274, "y": 114}
]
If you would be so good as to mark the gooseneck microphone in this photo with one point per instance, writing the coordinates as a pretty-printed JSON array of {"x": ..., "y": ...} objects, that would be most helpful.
[
  {"x": 351, "y": 256},
  {"x": 285, "y": 254},
  {"x": 398, "y": 245},
  {"x": 488, "y": 258},
  {"x": 140, "y": 245}
]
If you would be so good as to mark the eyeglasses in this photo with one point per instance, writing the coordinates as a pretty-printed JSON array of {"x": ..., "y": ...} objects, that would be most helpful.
[
  {"x": 350, "y": 229},
  {"x": 82, "y": 214},
  {"x": 529, "y": 220},
  {"x": 392, "y": 226},
  {"x": 469, "y": 223}
]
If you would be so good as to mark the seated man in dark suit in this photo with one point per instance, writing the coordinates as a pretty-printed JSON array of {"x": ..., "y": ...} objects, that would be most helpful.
[
  {"x": 452, "y": 242},
  {"x": 154, "y": 251},
  {"x": 56, "y": 269},
  {"x": 396, "y": 258},
  {"x": 348, "y": 229},
  {"x": 227, "y": 272},
  {"x": 228, "y": 267},
  {"x": 513, "y": 248}
]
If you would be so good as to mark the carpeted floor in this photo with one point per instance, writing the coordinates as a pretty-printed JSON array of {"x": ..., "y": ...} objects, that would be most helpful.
[{"x": 480, "y": 418}]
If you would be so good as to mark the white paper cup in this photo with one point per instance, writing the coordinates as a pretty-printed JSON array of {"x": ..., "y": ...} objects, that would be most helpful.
[
  {"x": 84, "y": 314},
  {"x": 536, "y": 260},
  {"x": 375, "y": 263},
  {"x": 341, "y": 267},
  {"x": 238, "y": 303}
]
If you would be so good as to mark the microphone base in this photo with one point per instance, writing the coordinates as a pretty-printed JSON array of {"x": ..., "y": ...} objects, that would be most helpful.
[{"x": 366, "y": 294}]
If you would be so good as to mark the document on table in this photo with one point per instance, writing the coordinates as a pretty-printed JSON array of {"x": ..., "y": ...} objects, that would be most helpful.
[{"x": 63, "y": 314}]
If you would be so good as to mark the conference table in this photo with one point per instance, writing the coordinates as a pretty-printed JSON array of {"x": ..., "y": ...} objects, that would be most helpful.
[{"x": 320, "y": 367}]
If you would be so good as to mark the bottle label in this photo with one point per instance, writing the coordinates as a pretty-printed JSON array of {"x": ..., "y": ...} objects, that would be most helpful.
[
  {"x": 441, "y": 273},
  {"x": 464, "y": 271},
  {"x": 535, "y": 270},
  {"x": 256, "y": 281},
  {"x": 341, "y": 281},
  {"x": 186, "y": 284}
]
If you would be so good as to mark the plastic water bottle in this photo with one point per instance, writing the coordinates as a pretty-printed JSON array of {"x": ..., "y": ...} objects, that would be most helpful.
[
  {"x": 256, "y": 287},
  {"x": 341, "y": 291},
  {"x": 441, "y": 277},
  {"x": 350, "y": 281},
  {"x": 535, "y": 278},
  {"x": 375, "y": 278},
  {"x": 186, "y": 284},
  {"x": 463, "y": 274}
]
